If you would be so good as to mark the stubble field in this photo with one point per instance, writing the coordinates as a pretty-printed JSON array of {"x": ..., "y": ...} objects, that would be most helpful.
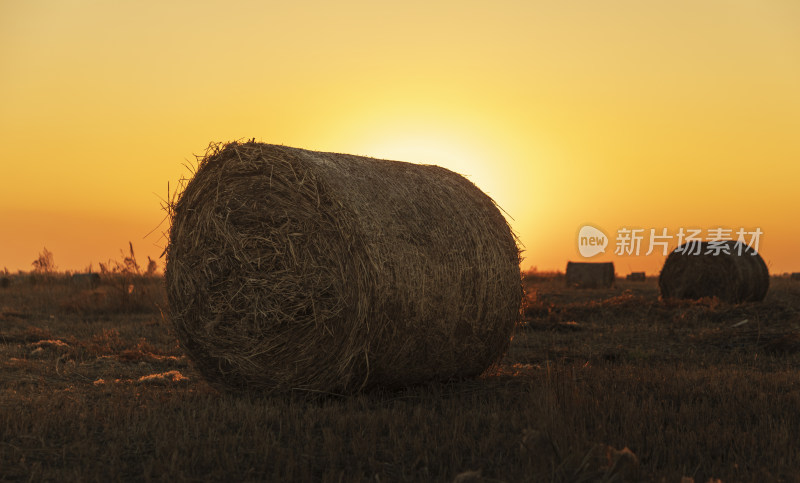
[{"x": 94, "y": 386}]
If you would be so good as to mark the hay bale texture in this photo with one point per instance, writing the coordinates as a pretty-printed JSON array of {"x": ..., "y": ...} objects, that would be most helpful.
[
  {"x": 733, "y": 274},
  {"x": 590, "y": 274},
  {"x": 290, "y": 269}
]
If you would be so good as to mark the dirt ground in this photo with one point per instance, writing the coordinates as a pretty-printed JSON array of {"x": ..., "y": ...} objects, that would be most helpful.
[{"x": 597, "y": 385}]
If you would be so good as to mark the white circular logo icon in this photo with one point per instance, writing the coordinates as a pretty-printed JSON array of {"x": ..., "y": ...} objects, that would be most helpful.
[{"x": 591, "y": 241}]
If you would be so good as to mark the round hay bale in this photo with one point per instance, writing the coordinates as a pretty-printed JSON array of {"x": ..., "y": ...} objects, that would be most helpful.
[
  {"x": 290, "y": 269},
  {"x": 734, "y": 274}
]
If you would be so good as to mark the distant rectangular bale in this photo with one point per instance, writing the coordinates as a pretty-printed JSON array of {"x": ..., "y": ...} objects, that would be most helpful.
[
  {"x": 636, "y": 277},
  {"x": 590, "y": 275}
]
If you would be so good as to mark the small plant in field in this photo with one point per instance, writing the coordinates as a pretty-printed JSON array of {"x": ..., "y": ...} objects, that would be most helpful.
[
  {"x": 129, "y": 266},
  {"x": 127, "y": 281},
  {"x": 124, "y": 287},
  {"x": 44, "y": 264},
  {"x": 152, "y": 267},
  {"x": 106, "y": 342}
]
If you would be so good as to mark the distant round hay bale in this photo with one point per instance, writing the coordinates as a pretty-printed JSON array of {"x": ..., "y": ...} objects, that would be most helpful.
[
  {"x": 740, "y": 275},
  {"x": 290, "y": 269}
]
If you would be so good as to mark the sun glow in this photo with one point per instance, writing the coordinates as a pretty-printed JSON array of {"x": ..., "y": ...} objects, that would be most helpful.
[
  {"x": 425, "y": 147},
  {"x": 611, "y": 113}
]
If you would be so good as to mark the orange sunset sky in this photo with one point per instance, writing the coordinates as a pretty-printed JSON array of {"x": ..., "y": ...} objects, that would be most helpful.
[{"x": 638, "y": 114}]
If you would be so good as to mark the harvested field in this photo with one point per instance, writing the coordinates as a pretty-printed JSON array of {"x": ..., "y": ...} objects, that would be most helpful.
[{"x": 698, "y": 389}]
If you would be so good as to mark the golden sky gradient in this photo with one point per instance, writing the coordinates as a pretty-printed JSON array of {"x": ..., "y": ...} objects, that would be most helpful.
[{"x": 617, "y": 114}]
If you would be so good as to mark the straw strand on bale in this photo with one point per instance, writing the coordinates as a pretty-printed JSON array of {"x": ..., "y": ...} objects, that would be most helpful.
[
  {"x": 293, "y": 269},
  {"x": 728, "y": 270}
]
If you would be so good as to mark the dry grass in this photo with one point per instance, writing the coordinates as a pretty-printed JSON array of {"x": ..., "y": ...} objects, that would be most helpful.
[
  {"x": 688, "y": 388},
  {"x": 294, "y": 270}
]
